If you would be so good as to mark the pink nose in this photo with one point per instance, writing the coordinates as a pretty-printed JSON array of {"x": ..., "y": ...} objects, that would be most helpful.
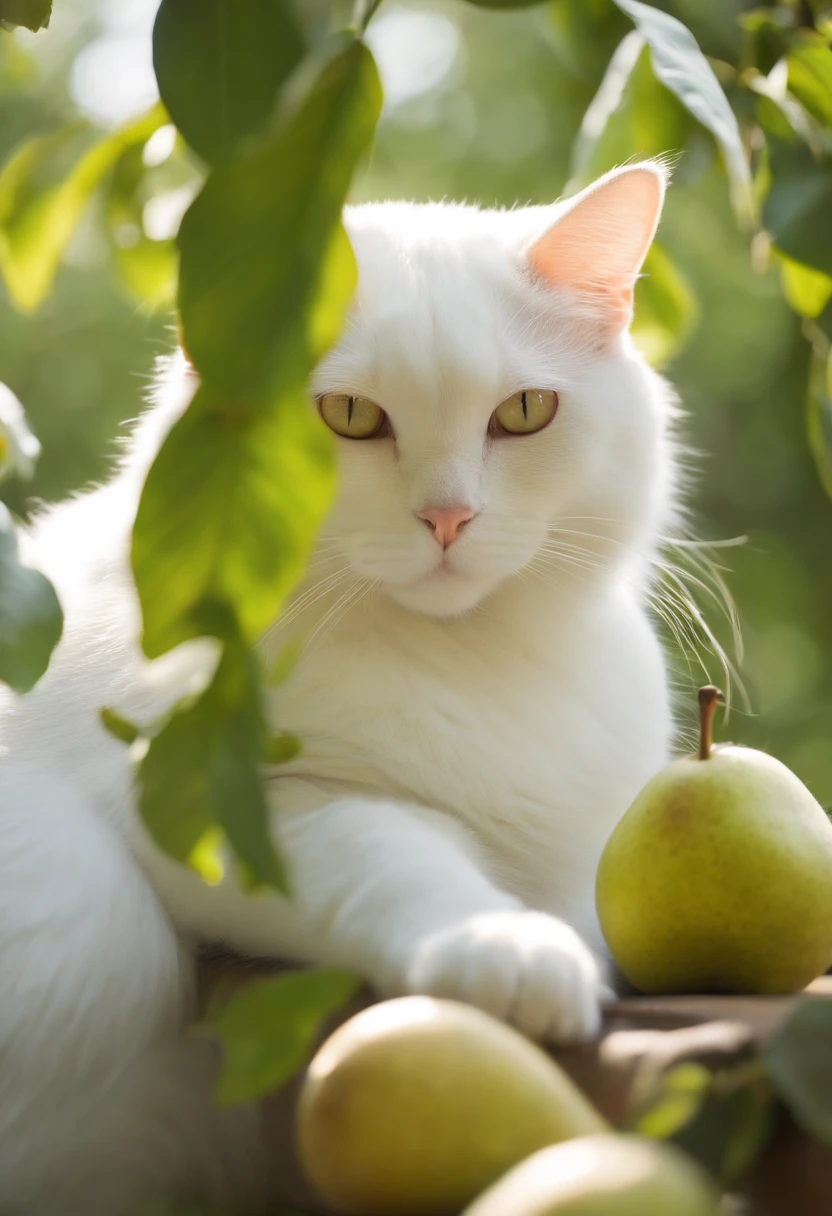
[{"x": 446, "y": 523}]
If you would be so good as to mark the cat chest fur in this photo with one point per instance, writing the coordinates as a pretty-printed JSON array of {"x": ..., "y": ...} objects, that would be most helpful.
[{"x": 515, "y": 719}]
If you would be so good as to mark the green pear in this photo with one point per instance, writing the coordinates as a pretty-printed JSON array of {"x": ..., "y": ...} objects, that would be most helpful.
[
  {"x": 415, "y": 1105},
  {"x": 719, "y": 876},
  {"x": 603, "y": 1175}
]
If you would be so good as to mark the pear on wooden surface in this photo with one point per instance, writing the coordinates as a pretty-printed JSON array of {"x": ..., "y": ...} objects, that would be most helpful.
[
  {"x": 604, "y": 1175},
  {"x": 415, "y": 1105},
  {"x": 719, "y": 876}
]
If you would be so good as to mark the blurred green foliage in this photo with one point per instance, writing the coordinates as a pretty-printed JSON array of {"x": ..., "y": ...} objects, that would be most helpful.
[
  {"x": 30, "y": 613},
  {"x": 725, "y": 1115},
  {"x": 33, "y": 14},
  {"x": 258, "y": 1061},
  {"x": 488, "y": 105}
]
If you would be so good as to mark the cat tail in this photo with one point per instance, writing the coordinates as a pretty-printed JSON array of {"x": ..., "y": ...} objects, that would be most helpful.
[{"x": 104, "y": 1100}]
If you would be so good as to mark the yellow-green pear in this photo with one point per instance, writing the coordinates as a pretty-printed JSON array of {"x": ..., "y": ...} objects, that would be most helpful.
[
  {"x": 719, "y": 876},
  {"x": 603, "y": 1175},
  {"x": 415, "y": 1105}
]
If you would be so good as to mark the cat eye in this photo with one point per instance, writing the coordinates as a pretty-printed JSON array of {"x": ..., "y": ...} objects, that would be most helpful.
[
  {"x": 525, "y": 412},
  {"x": 353, "y": 417}
]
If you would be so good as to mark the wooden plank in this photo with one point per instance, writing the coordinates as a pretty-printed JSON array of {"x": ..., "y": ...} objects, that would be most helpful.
[{"x": 762, "y": 1014}]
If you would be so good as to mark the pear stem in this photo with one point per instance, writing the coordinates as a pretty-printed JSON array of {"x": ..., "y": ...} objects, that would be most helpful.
[{"x": 709, "y": 698}]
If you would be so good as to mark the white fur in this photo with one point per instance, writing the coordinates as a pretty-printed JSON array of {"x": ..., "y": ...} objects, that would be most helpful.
[{"x": 472, "y": 731}]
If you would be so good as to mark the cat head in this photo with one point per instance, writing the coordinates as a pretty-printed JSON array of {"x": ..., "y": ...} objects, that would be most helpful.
[{"x": 489, "y": 407}]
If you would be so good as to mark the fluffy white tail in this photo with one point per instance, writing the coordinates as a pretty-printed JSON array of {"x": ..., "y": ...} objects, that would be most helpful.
[{"x": 103, "y": 1100}]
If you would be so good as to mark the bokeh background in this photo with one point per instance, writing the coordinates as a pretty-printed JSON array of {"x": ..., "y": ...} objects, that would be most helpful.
[{"x": 482, "y": 106}]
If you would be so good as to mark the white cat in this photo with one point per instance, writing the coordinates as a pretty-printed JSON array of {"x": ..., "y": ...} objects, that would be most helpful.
[{"x": 480, "y": 697}]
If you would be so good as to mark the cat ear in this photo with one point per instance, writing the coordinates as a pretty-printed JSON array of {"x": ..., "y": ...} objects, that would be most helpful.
[{"x": 597, "y": 247}]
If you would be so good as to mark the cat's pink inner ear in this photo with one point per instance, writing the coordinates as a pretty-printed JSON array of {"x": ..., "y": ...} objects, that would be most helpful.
[{"x": 596, "y": 249}]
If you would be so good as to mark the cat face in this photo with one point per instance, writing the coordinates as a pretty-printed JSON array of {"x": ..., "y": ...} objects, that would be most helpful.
[{"x": 487, "y": 403}]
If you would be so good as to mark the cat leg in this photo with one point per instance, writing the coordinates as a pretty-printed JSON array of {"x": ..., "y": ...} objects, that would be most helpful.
[
  {"x": 103, "y": 1099},
  {"x": 400, "y": 894}
]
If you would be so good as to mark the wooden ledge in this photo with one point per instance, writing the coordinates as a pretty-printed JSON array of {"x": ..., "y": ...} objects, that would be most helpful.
[{"x": 639, "y": 1033}]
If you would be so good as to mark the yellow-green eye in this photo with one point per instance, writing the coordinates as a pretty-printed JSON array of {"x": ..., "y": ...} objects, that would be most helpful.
[
  {"x": 353, "y": 417},
  {"x": 525, "y": 412}
]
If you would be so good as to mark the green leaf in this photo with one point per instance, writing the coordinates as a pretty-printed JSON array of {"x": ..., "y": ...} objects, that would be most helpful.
[
  {"x": 263, "y": 240},
  {"x": 175, "y": 795},
  {"x": 680, "y": 65},
  {"x": 752, "y": 1120},
  {"x": 776, "y": 116},
  {"x": 120, "y": 728},
  {"x": 285, "y": 661},
  {"x": 819, "y": 413},
  {"x": 228, "y": 513},
  {"x": 631, "y": 116},
  {"x": 237, "y": 787},
  {"x": 721, "y": 1119},
  {"x": 233, "y": 500},
  {"x": 679, "y": 1096},
  {"x": 798, "y": 1058},
  {"x": 268, "y": 1028},
  {"x": 30, "y": 615},
  {"x": 37, "y": 221},
  {"x": 807, "y": 291},
  {"x": 147, "y": 267},
  {"x": 201, "y": 771},
  {"x": 810, "y": 76},
  {"x": 207, "y": 857},
  {"x": 731, "y": 1129},
  {"x": 824, "y": 322},
  {"x": 219, "y": 65},
  {"x": 798, "y": 206},
  {"x": 231, "y": 504},
  {"x": 585, "y": 34},
  {"x": 666, "y": 309},
  {"x": 282, "y": 749},
  {"x": 33, "y": 14}
]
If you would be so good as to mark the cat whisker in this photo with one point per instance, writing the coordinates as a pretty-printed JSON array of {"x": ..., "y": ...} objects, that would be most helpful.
[
  {"x": 687, "y": 542},
  {"x": 592, "y": 519},
  {"x": 568, "y": 547},
  {"x": 319, "y": 589},
  {"x": 678, "y": 629},
  {"x": 672, "y": 595},
  {"x": 341, "y": 601},
  {"x": 333, "y": 617},
  {"x": 597, "y": 536},
  {"x": 679, "y": 608},
  {"x": 574, "y": 555},
  {"x": 563, "y": 563},
  {"x": 720, "y": 592},
  {"x": 559, "y": 585},
  {"x": 675, "y": 596},
  {"x": 322, "y": 559}
]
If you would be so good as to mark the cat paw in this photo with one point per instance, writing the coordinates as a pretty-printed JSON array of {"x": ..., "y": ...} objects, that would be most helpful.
[{"x": 526, "y": 968}]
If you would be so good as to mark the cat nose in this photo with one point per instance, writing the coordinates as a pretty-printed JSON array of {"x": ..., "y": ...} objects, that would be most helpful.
[{"x": 446, "y": 523}]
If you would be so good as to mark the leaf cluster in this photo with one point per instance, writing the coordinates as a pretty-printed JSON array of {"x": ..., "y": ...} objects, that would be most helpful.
[{"x": 725, "y": 1117}]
